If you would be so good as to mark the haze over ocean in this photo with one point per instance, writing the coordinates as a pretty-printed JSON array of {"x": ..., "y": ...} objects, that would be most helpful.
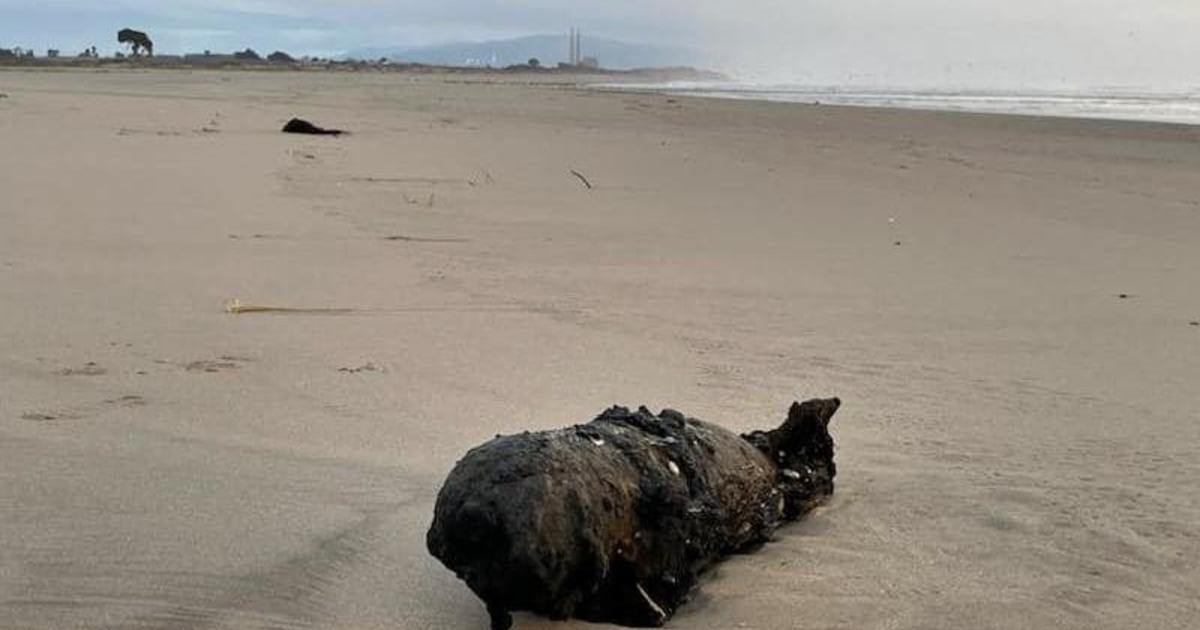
[{"x": 1014, "y": 45}]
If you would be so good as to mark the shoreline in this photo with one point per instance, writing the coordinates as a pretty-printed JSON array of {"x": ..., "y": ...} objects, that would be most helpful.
[
  {"x": 1176, "y": 107},
  {"x": 600, "y": 83},
  {"x": 663, "y": 81}
]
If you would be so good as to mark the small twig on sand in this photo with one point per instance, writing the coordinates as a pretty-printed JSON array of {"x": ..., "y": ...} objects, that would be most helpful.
[
  {"x": 237, "y": 308},
  {"x": 424, "y": 239},
  {"x": 582, "y": 178}
]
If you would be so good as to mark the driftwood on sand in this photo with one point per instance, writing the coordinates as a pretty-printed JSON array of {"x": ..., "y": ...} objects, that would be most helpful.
[
  {"x": 613, "y": 521},
  {"x": 583, "y": 178},
  {"x": 299, "y": 125}
]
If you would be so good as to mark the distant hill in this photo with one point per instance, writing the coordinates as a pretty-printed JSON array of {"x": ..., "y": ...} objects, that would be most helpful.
[{"x": 549, "y": 49}]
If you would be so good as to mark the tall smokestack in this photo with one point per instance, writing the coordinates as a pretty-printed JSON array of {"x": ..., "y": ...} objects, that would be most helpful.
[{"x": 576, "y": 47}]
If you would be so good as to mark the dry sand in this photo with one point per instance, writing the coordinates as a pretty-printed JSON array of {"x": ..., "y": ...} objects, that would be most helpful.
[{"x": 1018, "y": 447}]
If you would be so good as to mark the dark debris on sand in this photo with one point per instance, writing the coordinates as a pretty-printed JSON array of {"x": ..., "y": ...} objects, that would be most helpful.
[
  {"x": 301, "y": 126},
  {"x": 613, "y": 521}
]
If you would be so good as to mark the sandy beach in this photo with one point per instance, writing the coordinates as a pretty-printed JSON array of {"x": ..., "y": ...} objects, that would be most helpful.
[{"x": 1017, "y": 447}]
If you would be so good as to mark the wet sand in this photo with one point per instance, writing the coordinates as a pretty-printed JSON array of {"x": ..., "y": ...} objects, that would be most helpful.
[{"x": 1016, "y": 450}]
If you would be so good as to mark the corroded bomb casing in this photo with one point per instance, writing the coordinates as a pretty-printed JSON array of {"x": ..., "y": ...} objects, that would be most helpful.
[{"x": 612, "y": 521}]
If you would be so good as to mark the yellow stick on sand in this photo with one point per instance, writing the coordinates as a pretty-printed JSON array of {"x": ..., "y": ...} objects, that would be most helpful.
[{"x": 236, "y": 307}]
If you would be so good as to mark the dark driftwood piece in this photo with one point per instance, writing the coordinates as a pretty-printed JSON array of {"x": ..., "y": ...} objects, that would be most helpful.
[
  {"x": 299, "y": 125},
  {"x": 582, "y": 178},
  {"x": 613, "y": 521}
]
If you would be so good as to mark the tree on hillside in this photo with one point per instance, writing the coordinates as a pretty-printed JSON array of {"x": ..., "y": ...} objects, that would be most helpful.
[
  {"x": 280, "y": 57},
  {"x": 247, "y": 55},
  {"x": 535, "y": 63}
]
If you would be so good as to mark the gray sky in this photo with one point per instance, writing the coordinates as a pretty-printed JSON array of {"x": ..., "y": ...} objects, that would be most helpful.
[{"x": 980, "y": 43}]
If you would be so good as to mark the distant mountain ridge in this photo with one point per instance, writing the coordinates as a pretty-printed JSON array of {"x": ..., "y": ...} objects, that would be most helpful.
[{"x": 549, "y": 49}]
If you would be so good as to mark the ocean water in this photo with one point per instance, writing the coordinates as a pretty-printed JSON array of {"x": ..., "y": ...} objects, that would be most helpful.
[{"x": 1103, "y": 104}]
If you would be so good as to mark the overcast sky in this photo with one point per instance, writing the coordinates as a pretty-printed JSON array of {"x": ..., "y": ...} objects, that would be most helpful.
[{"x": 981, "y": 43}]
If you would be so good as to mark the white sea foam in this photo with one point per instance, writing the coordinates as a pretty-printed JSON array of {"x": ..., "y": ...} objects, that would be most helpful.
[{"x": 1103, "y": 104}]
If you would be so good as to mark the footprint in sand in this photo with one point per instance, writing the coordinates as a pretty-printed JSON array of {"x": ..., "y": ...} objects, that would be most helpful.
[
  {"x": 405, "y": 238},
  {"x": 213, "y": 126},
  {"x": 42, "y": 416},
  {"x": 256, "y": 236},
  {"x": 220, "y": 364},
  {"x": 126, "y": 131},
  {"x": 91, "y": 368},
  {"x": 368, "y": 367},
  {"x": 80, "y": 413},
  {"x": 127, "y": 401}
]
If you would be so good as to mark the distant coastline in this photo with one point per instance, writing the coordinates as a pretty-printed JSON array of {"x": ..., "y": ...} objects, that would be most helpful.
[{"x": 652, "y": 75}]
